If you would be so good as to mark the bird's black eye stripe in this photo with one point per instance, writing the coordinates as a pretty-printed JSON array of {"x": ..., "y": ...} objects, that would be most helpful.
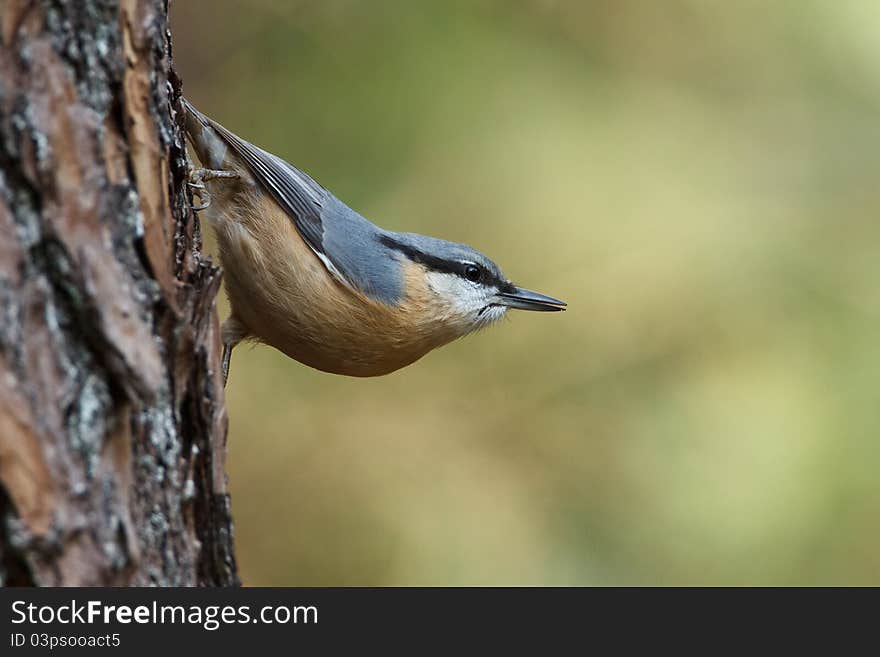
[
  {"x": 506, "y": 286},
  {"x": 468, "y": 270},
  {"x": 429, "y": 261},
  {"x": 479, "y": 274}
]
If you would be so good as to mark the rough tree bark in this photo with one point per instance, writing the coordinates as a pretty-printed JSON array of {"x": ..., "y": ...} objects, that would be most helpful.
[{"x": 112, "y": 417}]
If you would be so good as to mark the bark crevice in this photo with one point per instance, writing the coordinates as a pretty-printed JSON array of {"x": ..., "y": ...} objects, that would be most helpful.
[{"x": 112, "y": 416}]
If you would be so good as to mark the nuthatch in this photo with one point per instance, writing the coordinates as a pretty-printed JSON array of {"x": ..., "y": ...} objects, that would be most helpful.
[{"x": 311, "y": 277}]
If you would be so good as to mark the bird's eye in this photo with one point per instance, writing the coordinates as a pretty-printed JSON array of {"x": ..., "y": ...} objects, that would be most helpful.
[{"x": 472, "y": 273}]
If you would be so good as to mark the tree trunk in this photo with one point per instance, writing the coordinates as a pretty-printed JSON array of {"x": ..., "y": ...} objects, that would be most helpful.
[{"x": 112, "y": 417}]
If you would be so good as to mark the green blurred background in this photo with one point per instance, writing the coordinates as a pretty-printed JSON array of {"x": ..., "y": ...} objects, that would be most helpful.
[{"x": 697, "y": 179}]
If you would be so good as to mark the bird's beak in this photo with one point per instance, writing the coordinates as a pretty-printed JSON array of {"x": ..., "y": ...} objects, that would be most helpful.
[{"x": 528, "y": 300}]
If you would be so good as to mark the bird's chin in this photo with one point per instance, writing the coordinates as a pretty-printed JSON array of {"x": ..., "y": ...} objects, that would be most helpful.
[{"x": 490, "y": 314}]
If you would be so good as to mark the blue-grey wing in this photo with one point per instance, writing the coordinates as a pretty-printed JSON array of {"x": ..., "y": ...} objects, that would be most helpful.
[
  {"x": 294, "y": 190},
  {"x": 343, "y": 240}
]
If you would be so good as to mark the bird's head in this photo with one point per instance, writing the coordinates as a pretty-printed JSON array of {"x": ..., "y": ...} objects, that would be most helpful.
[{"x": 461, "y": 288}]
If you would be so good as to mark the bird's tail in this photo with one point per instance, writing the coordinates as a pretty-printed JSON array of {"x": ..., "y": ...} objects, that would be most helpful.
[{"x": 207, "y": 143}]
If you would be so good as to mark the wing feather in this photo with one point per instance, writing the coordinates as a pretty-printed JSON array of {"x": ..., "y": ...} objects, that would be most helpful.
[
  {"x": 340, "y": 238},
  {"x": 294, "y": 190}
]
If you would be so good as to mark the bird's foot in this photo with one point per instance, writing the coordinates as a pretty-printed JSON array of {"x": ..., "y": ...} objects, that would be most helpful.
[{"x": 196, "y": 179}]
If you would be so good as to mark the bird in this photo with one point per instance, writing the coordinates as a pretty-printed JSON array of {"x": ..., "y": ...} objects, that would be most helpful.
[{"x": 311, "y": 277}]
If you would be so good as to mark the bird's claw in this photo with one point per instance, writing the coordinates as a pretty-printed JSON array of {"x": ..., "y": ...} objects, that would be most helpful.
[{"x": 196, "y": 180}]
